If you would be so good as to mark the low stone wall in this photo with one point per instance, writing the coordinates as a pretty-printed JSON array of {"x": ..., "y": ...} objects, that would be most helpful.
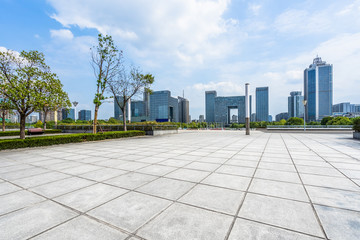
[
  {"x": 161, "y": 132},
  {"x": 356, "y": 135}
]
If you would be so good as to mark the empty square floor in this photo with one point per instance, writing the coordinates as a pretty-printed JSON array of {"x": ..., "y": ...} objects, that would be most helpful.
[{"x": 192, "y": 185}]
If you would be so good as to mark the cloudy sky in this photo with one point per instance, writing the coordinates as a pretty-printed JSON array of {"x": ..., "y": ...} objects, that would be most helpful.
[{"x": 194, "y": 45}]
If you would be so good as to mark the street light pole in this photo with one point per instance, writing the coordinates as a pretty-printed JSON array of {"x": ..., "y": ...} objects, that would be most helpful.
[{"x": 304, "y": 102}]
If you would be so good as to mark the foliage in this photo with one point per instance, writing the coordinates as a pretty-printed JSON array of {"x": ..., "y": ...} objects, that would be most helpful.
[
  {"x": 22, "y": 80},
  {"x": 340, "y": 121},
  {"x": 68, "y": 120},
  {"x": 61, "y": 139},
  {"x": 313, "y": 123},
  {"x": 16, "y": 133},
  {"x": 106, "y": 61},
  {"x": 295, "y": 121},
  {"x": 356, "y": 124},
  {"x": 325, "y": 120},
  {"x": 38, "y": 124},
  {"x": 237, "y": 125}
]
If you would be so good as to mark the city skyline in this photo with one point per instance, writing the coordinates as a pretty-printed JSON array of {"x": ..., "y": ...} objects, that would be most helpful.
[{"x": 217, "y": 45}]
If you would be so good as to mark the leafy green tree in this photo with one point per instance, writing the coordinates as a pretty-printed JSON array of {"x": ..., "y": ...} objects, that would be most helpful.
[
  {"x": 22, "y": 78},
  {"x": 5, "y": 109},
  {"x": 356, "y": 124},
  {"x": 325, "y": 120},
  {"x": 68, "y": 120},
  {"x": 295, "y": 121},
  {"x": 313, "y": 123},
  {"x": 340, "y": 121},
  {"x": 106, "y": 62},
  {"x": 38, "y": 124}
]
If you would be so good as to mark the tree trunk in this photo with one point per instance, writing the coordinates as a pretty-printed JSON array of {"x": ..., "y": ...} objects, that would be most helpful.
[
  {"x": 95, "y": 119},
  {"x": 45, "y": 114},
  {"x": 124, "y": 116},
  {"x": 3, "y": 121},
  {"x": 22, "y": 125}
]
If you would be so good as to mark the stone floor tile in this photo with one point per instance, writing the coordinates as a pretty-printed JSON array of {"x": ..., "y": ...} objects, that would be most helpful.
[
  {"x": 331, "y": 182},
  {"x": 245, "y": 230},
  {"x": 339, "y": 224},
  {"x": 242, "y": 163},
  {"x": 130, "y": 180},
  {"x": 61, "y": 187},
  {"x": 181, "y": 222},
  {"x": 277, "y": 166},
  {"x": 6, "y": 188},
  {"x": 130, "y": 211},
  {"x": 33, "y": 220},
  {"x": 203, "y": 166},
  {"x": 90, "y": 197},
  {"x": 157, "y": 170},
  {"x": 103, "y": 174},
  {"x": 82, "y": 228},
  {"x": 289, "y": 214},
  {"x": 166, "y": 188},
  {"x": 319, "y": 171},
  {"x": 174, "y": 163},
  {"x": 279, "y": 189},
  {"x": 188, "y": 175},
  {"x": 235, "y": 170},
  {"x": 214, "y": 198},
  {"x": 227, "y": 181},
  {"x": 40, "y": 179},
  {"x": 84, "y": 168},
  {"x": 16, "y": 200},
  {"x": 23, "y": 173},
  {"x": 277, "y": 175},
  {"x": 132, "y": 166}
]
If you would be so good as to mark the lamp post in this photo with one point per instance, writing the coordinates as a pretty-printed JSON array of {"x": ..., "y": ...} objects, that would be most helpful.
[
  {"x": 304, "y": 102},
  {"x": 75, "y": 103}
]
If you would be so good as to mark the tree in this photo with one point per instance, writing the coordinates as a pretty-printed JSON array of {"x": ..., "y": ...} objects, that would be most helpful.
[
  {"x": 325, "y": 120},
  {"x": 54, "y": 98},
  {"x": 5, "y": 109},
  {"x": 127, "y": 85},
  {"x": 339, "y": 121},
  {"x": 295, "y": 121},
  {"x": 106, "y": 61},
  {"x": 22, "y": 78}
]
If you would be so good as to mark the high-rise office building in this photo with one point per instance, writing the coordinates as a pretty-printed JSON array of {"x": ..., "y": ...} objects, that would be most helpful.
[
  {"x": 210, "y": 106},
  {"x": 201, "y": 118},
  {"x": 84, "y": 115},
  {"x": 318, "y": 90},
  {"x": 163, "y": 107},
  {"x": 262, "y": 104},
  {"x": 184, "y": 110},
  {"x": 296, "y": 105},
  {"x": 51, "y": 115},
  {"x": 68, "y": 113},
  {"x": 280, "y": 116}
]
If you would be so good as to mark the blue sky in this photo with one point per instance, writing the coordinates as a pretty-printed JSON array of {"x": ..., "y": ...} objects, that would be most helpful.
[{"x": 193, "y": 45}]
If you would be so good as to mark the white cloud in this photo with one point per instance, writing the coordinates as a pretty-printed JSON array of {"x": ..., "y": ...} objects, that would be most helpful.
[
  {"x": 255, "y": 8},
  {"x": 62, "y": 34}
]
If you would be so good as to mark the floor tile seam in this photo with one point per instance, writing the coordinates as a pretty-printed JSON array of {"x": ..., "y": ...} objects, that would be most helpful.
[
  {"x": 34, "y": 175},
  {"x": 280, "y": 227},
  {"x": 307, "y": 193},
  {"x": 246, "y": 191},
  {"x": 339, "y": 208},
  {"x": 155, "y": 216},
  {"x": 329, "y": 163}
]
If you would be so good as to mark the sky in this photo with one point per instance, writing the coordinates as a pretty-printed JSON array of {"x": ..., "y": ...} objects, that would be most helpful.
[{"x": 192, "y": 46}]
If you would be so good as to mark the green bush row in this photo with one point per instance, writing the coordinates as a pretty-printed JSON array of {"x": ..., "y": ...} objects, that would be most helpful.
[
  {"x": 61, "y": 139},
  {"x": 16, "y": 133},
  {"x": 356, "y": 122}
]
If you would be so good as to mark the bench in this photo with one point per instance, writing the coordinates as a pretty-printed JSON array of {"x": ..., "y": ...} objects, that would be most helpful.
[{"x": 32, "y": 131}]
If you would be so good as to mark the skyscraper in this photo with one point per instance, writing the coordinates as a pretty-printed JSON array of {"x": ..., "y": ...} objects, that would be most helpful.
[
  {"x": 68, "y": 113},
  {"x": 210, "y": 106},
  {"x": 295, "y": 104},
  {"x": 85, "y": 115},
  {"x": 183, "y": 110},
  {"x": 163, "y": 107},
  {"x": 262, "y": 104},
  {"x": 318, "y": 90}
]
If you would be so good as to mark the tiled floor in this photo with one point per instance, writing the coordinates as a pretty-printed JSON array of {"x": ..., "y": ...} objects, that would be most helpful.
[{"x": 192, "y": 185}]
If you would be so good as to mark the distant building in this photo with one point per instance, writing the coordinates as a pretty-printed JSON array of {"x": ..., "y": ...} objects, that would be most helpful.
[
  {"x": 210, "y": 106},
  {"x": 234, "y": 119},
  {"x": 32, "y": 119},
  {"x": 163, "y": 107},
  {"x": 51, "y": 116},
  {"x": 221, "y": 109},
  {"x": 318, "y": 90},
  {"x": 85, "y": 115},
  {"x": 344, "y": 107},
  {"x": 201, "y": 118},
  {"x": 280, "y": 116},
  {"x": 253, "y": 117},
  {"x": 184, "y": 116},
  {"x": 296, "y": 105},
  {"x": 270, "y": 118},
  {"x": 262, "y": 104},
  {"x": 68, "y": 113}
]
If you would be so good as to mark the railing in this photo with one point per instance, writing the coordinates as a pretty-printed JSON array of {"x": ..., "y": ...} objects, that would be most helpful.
[
  {"x": 117, "y": 127},
  {"x": 309, "y": 126}
]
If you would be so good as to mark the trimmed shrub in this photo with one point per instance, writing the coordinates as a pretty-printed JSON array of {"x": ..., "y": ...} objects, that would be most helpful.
[
  {"x": 16, "y": 133},
  {"x": 61, "y": 139},
  {"x": 356, "y": 122}
]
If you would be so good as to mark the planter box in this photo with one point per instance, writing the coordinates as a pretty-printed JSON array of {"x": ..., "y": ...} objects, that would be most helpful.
[{"x": 356, "y": 135}]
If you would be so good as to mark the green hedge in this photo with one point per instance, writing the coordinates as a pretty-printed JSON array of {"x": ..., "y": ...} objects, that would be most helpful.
[
  {"x": 16, "y": 133},
  {"x": 61, "y": 139},
  {"x": 356, "y": 124}
]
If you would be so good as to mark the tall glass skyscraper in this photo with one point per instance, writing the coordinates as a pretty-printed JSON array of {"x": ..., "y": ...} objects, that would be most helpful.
[
  {"x": 295, "y": 104},
  {"x": 210, "y": 106},
  {"x": 318, "y": 90},
  {"x": 68, "y": 113},
  {"x": 163, "y": 107},
  {"x": 262, "y": 104}
]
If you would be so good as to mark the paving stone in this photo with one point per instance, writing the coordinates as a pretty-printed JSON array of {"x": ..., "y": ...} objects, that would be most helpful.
[
  {"x": 130, "y": 211},
  {"x": 130, "y": 180},
  {"x": 61, "y": 187},
  {"x": 132, "y": 166},
  {"x": 40, "y": 179},
  {"x": 331, "y": 182},
  {"x": 241, "y": 171},
  {"x": 214, "y": 198},
  {"x": 289, "y": 214},
  {"x": 319, "y": 171},
  {"x": 23, "y": 173},
  {"x": 188, "y": 175},
  {"x": 339, "y": 224},
  {"x": 16, "y": 200},
  {"x": 228, "y": 181},
  {"x": 244, "y": 230},
  {"x": 166, "y": 188},
  {"x": 277, "y": 166},
  {"x": 157, "y": 170},
  {"x": 30, "y": 221},
  {"x": 6, "y": 187},
  {"x": 277, "y": 175},
  {"x": 181, "y": 222},
  {"x": 202, "y": 166},
  {"x": 90, "y": 197},
  {"x": 84, "y": 168},
  {"x": 279, "y": 189},
  {"x": 174, "y": 163},
  {"x": 103, "y": 174}
]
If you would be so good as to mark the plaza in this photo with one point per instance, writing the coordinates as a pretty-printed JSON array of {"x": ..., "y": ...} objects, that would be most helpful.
[{"x": 191, "y": 185}]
